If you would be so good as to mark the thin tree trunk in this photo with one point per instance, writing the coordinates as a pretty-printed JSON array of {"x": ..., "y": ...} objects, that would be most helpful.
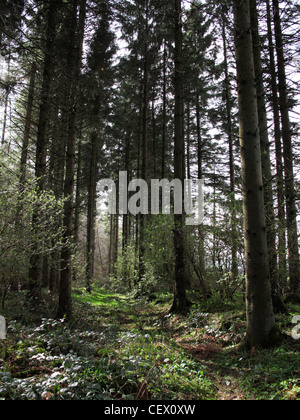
[
  {"x": 234, "y": 260},
  {"x": 77, "y": 198},
  {"x": 91, "y": 213},
  {"x": 116, "y": 233},
  {"x": 110, "y": 251},
  {"x": 7, "y": 93},
  {"x": 142, "y": 269},
  {"x": 261, "y": 326},
  {"x": 164, "y": 119},
  {"x": 279, "y": 159},
  {"x": 291, "y": 210},
  {"x": 126, "y": 217},
  {"x": 200, "y": 176},
  {"x": 28, "y": 123},
  {"x": 154, "y": 141},
  {"x": 5, "y": 115},
  {"x": 56, "y": 181},
  {"x": 25, "y": 145}
]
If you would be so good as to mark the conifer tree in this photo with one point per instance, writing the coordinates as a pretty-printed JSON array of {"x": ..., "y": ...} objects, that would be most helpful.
[
  {"x": 75, "y": 57},
  {"x": 36, "y": 263},
  {"x": 260, "y": 317},
  {"x": 181, "y": 302},
  {"x": 291, "y": 210},
  {"x": 99, "y": 77}
]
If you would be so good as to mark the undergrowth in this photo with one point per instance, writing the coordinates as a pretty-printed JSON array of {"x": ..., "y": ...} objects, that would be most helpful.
[{"x": 118, "y": 347}]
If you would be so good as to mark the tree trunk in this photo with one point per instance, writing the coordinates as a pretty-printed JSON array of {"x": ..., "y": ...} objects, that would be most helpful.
[
  {"x": 65, "y": 300},
  {"x": 142, "y": 269},
  {"x": 234, "y": 260},
  {"x": 261, "y": 328},
  {"x": 28, "y": 122},
  {"x": 77, "y": 198},
  {"x": 266, "y": 158},
  {"x": 126, "y": 217},
  {"x": 110, "y": 250},
  {"x": 25, "y": 145},
  {"x": 291, "y": 210},
  {"x": 36, "y": 260},
  {"x": 279, "y": 162},
  {"x": 154, "y": 140},
  {"x": 7, "y": 88},
  {"x": 91, "y": 213},
  {"x": 164, "y": 118},
  {"x": 200, "y": 176},
  {"x": 181, "y": 303}
]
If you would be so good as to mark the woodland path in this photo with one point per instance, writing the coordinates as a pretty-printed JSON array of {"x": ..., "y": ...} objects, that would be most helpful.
[
  {"x": 209, "y": 338},
  {"x": 118, "y": 347}
]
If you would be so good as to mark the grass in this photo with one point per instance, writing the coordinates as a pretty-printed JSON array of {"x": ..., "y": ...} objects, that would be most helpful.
[{"x": 121, "y": 348}]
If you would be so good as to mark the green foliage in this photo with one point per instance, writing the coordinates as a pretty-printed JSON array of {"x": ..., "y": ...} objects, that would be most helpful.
[
  {"x": 57, "y": 361},
  {"x": 159, "y": 253},
  {"x": 158, "y": 260},
  {"x": 125, "y": 269},
  {"x": 19, "y": 237},
  {"x": 117, "y": 348}
]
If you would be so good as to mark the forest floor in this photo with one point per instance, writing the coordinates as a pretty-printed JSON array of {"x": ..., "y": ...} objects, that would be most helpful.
[{"x": 120, "y": 348}]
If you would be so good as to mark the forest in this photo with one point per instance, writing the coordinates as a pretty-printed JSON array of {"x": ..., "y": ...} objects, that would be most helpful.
[{"x": 149, "y": 201}]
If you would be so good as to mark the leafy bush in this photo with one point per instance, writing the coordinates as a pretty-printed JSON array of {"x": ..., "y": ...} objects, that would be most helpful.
[{"x": 19, "y": 237}]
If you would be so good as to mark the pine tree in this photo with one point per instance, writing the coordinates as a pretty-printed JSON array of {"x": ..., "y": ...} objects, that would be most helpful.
[
  {"x": 181, "y": 303},
  {"x": 266, "y": 157},
  {"x": 10, "y": 19},
  {"x": 100, "y": 78},
  {"x": 260, "y": 316},
  {"x": 282, "y": 259},
  {"x": 76, "y": 47},
  {"x": 291, "y": 211},
  {"x": 36, "y": 263}
]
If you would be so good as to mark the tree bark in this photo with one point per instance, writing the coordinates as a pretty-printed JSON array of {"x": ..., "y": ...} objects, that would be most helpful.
[
  {"x": 7, "y": 89},
  {"x": 266, "y": 158},
  {"x": 145, "y": 108},
  {"x": 261, "y": 327},
  {"x": 291, "y": 210},
  {"x": 28, "y": 123},
  {"x": 234, "y": 260},
  {"x": 282, "y": 264},
  {"x": 181, "y": 303},
  {"x": 164, "y": 117},
  {"x": 91, "y": 214},
  {"x": 65, "y": 300},
  {"x": 36, "y": 260},
  {"x": 200, "y": 176}
]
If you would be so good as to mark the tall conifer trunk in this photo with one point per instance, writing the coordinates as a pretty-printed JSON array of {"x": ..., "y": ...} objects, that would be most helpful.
[
  {"x": 91, "y": 214},
  {"x": 266, "y": 158},
  {"x": 65, "y": 300},
  {"x": 28, "y": 124},
  {"x": 291, "y": 210},
  {"x": 282, "y": 258},
  {"x": 36, "y": 261},
  {"x": 181, "y": 302},
  {"x": 234, "y": 259},
  {"x": 260, "y": 316}
]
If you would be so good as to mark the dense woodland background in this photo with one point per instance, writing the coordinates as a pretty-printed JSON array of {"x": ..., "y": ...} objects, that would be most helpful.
[{"x": 189, "y": 90}]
